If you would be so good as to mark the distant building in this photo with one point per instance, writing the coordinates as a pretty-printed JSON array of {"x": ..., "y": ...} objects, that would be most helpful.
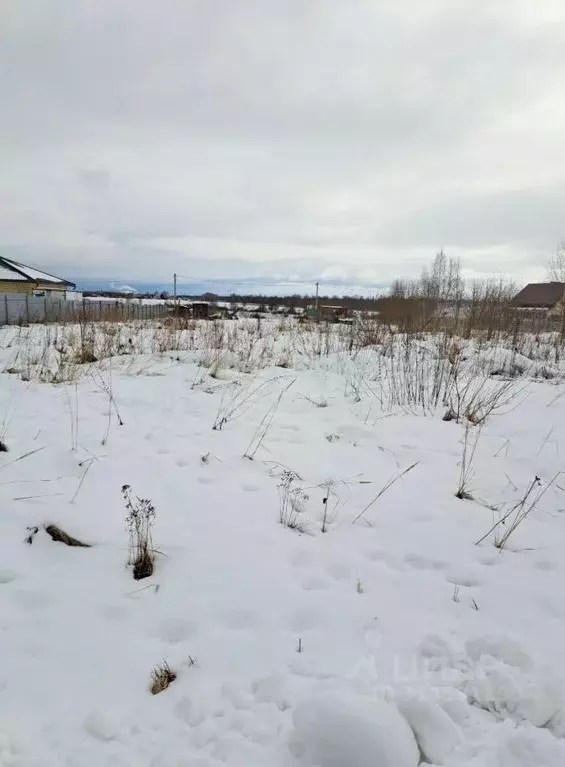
[
  {"x": 542, "y": 297},
  {"x": 328, "y": 313},
  {"x": 19, "y": 278},
  {"x": 200, "y": 310}
]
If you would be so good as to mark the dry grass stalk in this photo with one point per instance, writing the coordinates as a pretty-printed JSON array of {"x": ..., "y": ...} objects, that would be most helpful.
[
  {"x": 383, "y": 490},
  {"x": 291, "y": 501},
  {"x": 467, "y": 471},
  {"x": 161, "y": 677},
  {"x": 60, "y": 536},
  {"x": 23, "y": 457},
  {"x": 513, "y": 518},
  {"x": 32, "y": 530},
  {"x": 329, "y": 515},
  {"x": 140, "y": 519},
  {"x": 241, "y": 400},
  {"x": 266, "y": 423}
]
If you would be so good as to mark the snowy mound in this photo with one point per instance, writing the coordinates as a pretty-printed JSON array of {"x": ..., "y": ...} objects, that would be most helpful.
[{"x": 348, "y": 730}]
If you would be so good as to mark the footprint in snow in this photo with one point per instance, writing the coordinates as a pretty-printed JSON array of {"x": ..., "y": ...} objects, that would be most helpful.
[
  {"x": 250, "y": 488},
  {"x": 377, "y": 555},
  {"x": 30, "y": 599},
  {"x": 176, "y": 630},
  {"x": 302, "y": 559},
  {"x": 421, "y": 563},
  {"x": 421, "y": 518},
  {"x": 339, "y": 570},
  {"x": 545, "y": 565},
  {"x": 205, "y": 480},
  {"x": 489, "y": 560},
  {"x": 115, "y": 613},
  {"x": 466, "y": 580},
  {"x": 306, "y": 618},
  {"x": 239, "y": 619},
  {"x": 315, "y": 584},
  {"x": 102, "y": 726}
]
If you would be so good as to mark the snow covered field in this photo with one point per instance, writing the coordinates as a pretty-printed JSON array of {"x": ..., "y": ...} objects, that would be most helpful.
[{"x": 318, "y": 589}]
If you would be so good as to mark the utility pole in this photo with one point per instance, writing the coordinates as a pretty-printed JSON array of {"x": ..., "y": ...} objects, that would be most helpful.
[
  {"x": 175, "y": 288},
  {"x": 317, "y": 294}
]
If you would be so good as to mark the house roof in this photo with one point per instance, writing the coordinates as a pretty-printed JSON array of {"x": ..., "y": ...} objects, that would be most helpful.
[
  {"x": 540, "y": 294},
  {"x": 13, "y": 271}
]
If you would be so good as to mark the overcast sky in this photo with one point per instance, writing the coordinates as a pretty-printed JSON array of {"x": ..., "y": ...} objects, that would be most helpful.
[{"x": 292, "y": 139}]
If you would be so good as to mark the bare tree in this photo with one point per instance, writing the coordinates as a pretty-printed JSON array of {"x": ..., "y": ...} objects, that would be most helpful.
[
  {"x": 400, "y": 288},
  {"x": 556, "y": 264},
  {"x": 443, "y": 281}
]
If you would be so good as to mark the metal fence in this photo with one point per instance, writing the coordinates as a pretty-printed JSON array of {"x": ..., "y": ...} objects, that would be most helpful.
[{"x": 25, "y": 309}]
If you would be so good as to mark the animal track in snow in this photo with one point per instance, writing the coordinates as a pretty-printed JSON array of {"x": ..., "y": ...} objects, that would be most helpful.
[
  {"x": 302, "y": 559},
  {"x": 250, "y": 488},
  {"x": 489, "y": 559},
  {"x": 31, "y": 599},
  {"x": 377, "y": 555},
  {"x": 6, "y": 576},
  {"x": 422, "y": 518},
  {"x": 205, "y": 480},
  {"x": 102, "y": 726},
  {"x": 339, "y": 570},
  {"x": 462, "y": 579},
  {"x": 306, "y": 618},
  {"x": 176, "y": 630},
  {"x": 115, "y": 613},
  {"x": 421, "y": 563},
  {"x": 239, "y": 619},
  {"x": 545, "y": 565},
  {"x": 315, "y": 583}
]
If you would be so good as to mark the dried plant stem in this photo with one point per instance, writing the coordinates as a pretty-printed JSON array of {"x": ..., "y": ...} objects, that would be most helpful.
[{"x": 383, "y": 490}]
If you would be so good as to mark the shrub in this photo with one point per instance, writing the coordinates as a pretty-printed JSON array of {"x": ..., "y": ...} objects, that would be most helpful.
[
  {"x": 140, "y": 520},
  {"x": 292, "y": 499}
]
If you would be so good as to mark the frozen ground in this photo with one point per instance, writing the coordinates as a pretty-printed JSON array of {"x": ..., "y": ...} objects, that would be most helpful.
[{"x": 386, "y": 642}]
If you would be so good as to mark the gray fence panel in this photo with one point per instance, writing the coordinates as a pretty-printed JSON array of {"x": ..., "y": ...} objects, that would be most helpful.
[{"x": 21, "y": 309}]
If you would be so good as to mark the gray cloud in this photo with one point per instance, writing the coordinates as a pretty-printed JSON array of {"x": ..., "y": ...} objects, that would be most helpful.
[{"x": 268, "y": 138}]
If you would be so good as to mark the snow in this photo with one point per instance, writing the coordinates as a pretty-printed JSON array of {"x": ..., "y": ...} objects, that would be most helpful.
[
  {"x": 35, "y": 274},
  {"x": 387, "y": 642},
  {"x": 338, "y": 728},
  {"x": 9, "y": 275}
]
